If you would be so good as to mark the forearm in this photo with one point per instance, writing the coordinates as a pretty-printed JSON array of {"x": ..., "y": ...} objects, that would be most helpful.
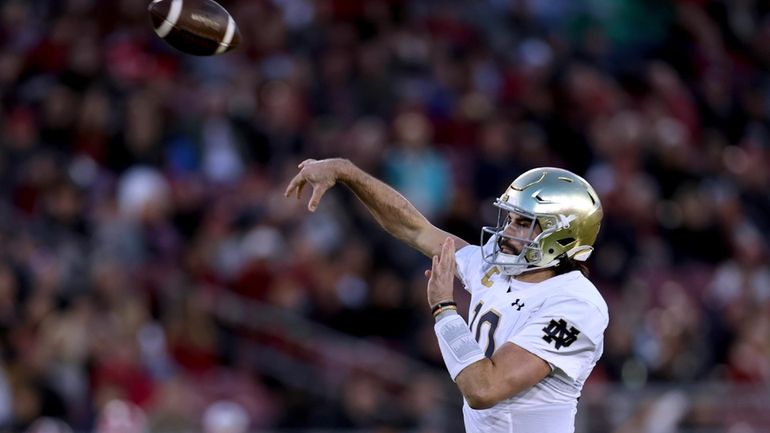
[
  {"x": 485, "y": 381},
  {"x": 475, "y": 385},
  {"x": 388, "y": 207}
]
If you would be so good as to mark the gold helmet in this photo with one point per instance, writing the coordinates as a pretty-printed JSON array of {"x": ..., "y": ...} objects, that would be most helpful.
[{"x": 562, "y": 204}]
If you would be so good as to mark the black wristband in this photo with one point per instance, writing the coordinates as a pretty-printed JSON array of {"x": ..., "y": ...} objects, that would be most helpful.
[{"x": 442, "y": 305}]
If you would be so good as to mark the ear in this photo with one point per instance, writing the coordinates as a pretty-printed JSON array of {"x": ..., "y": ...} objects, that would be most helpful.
[{"x": 581, "y": 253}]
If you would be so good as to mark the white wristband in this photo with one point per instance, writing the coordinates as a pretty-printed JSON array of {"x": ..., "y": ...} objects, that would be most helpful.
[{"x": 458, "y": 348}]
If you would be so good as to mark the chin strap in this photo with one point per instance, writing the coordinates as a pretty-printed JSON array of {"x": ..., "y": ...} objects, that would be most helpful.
[
  {"x": 581, "y": 253},
  {"x": 518, "y": 270}
]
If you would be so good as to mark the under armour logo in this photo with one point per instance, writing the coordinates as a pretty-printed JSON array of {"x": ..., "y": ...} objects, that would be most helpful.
[
  {"x": 517, "y": 305},
  {"x": 557, "y": 332}
]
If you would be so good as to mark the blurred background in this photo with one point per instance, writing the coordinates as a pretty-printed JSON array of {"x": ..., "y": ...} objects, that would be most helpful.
[{"x": 153, "y": 278}]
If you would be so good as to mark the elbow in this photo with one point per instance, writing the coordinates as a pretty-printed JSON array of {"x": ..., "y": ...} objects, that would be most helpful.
[
  {"x": 478, "y": 403},
  {"x": 475, "y": 386},
  {"x": 478, "y": 399}
]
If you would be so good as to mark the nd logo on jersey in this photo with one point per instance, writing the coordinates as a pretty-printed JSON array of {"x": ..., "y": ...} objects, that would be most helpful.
[{"x": 557, "y": 333}]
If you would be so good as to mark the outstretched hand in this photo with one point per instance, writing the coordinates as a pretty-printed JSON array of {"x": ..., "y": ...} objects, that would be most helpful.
[
  {"x": 442, "y": 273},
  {"x": 321, "y": 175}
]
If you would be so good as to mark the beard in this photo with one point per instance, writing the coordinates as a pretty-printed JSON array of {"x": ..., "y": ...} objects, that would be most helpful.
[{"x": 507, "y": 247}]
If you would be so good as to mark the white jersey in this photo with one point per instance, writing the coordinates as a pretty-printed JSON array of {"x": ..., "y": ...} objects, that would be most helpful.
[{"x": 561, "y": 320}]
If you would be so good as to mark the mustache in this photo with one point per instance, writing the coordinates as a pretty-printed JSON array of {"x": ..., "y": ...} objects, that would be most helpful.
[{"x": 502, "y": 242}]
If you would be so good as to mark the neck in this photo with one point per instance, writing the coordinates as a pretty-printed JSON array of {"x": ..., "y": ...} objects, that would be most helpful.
[{"x": 536, "y": 276}]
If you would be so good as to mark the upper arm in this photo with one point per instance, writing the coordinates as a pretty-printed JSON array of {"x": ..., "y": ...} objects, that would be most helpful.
[{"x": 510, "y": 371}]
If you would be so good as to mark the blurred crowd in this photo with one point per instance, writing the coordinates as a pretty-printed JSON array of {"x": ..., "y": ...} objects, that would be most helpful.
[{"x": 139, "y": 185}]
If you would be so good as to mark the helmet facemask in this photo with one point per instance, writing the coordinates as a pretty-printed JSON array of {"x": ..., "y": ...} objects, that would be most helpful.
[{"x": 493, "y": 239}]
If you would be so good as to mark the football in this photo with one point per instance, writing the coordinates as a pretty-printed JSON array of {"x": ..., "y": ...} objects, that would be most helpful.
[{"x": 197, "y": 27}]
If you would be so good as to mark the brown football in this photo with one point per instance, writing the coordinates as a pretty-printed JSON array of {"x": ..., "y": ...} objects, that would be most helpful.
[{"x": 198, "y": 27}]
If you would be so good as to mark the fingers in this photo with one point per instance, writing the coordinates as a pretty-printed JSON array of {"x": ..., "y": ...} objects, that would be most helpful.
[
  {"x": 305, "y": 162},
  {"x": 295, "y": 186},
  {"x": 447, "y": 260},
  {"x": 441, "y": 275},
  {"x": 428, "y": 273},
  {"x": 318, "y": 192},
  {"x": 444, "y": 264},
  {"x": 448, "y": 247},
  {"x": 298, "y": 182}
]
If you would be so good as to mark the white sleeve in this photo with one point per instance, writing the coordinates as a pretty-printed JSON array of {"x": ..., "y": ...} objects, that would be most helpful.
[
  {"x": 468, "y": 260},
  {"x": 565, "y": 332}
]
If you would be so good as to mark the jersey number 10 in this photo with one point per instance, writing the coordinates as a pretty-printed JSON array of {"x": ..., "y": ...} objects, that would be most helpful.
[{"x": 492, "y": 318}]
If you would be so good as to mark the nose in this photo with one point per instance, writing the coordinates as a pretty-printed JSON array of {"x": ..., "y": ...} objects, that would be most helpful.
[{"x": 515, "y": 231}]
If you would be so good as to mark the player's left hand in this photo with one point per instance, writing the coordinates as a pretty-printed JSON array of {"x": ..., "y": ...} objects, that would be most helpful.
[{"x": 441, "y": 275}]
